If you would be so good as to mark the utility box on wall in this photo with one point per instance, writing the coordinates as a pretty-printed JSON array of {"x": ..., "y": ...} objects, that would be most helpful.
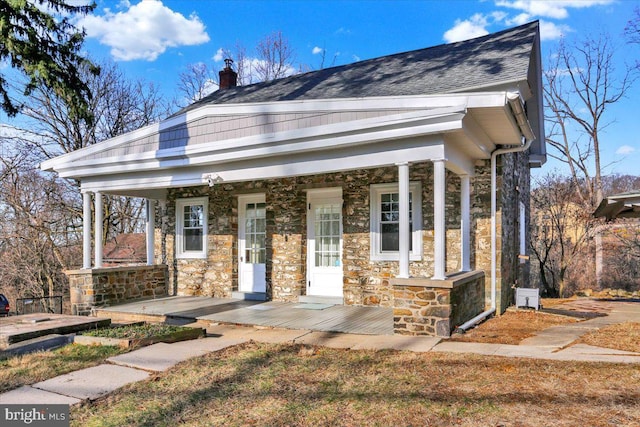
[{"x": 527, "y": 297}]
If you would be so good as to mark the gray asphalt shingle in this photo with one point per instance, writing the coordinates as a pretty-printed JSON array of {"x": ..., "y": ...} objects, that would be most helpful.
[{"x": 481, "y": 62}]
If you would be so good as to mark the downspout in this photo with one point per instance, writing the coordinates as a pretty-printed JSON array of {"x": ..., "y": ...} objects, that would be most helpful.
[{"x": 517, "y": 108}]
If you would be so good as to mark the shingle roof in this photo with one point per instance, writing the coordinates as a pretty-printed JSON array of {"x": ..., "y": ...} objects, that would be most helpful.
[{"x": 481, "y": 62}]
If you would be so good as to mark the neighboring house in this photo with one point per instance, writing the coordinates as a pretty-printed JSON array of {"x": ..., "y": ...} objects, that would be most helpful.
[
  {"x": 125, "y": 248},
  {"x": 399, "y": 181},
  {"x": 618, "y": 242}
]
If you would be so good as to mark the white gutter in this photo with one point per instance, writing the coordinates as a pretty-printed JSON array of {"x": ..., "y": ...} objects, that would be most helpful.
[{"x": 517, "y": 107}]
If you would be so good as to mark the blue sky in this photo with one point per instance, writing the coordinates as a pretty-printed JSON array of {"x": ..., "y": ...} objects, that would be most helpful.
[{"x": 156, "y": 40}]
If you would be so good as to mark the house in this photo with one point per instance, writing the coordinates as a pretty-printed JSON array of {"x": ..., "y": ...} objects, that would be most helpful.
[
  {"x": 399, "y": 181},
  {"x": 618, "y": 241}
]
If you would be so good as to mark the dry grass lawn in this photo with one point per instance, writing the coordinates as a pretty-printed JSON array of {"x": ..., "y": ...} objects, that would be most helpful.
[
  {"x": 623, "y": 336},
  {"x": 291, "y": 385},
  {"x": 16, "y": 371},
  {"x": 512, "y": 327}
]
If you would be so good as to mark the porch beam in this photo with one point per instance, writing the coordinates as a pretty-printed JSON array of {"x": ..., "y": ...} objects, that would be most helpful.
[
  {"x": 439, "y": 229},
  {"x": 151, "y": 225},
  {"x": 97, "y": 262},
  {"x": 465, "y": 231},
  {"x": 404, "y": 229},
  {"x": 86, "y": 230}
]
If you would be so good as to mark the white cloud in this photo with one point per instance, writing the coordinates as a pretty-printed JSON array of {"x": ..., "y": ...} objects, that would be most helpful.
[
  {"x": 557, "y": 9},
  {"x": 625, "y": 149},
  {"x": 220, "y": 55},
  {"x": 144, "y": 31},
  {"x": 551, "y": 31},
  {"x": 317, "y": 50},
  {"x": 467, "y": 29}
]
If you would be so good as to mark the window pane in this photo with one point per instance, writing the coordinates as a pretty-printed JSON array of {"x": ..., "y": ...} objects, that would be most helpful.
[
  {"x": 389, "y": 237},
  {"x": 193, "y": 239}
]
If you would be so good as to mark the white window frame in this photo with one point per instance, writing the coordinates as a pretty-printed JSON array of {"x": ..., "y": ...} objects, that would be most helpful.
[
  {"x": 180, "y": 204},
  {"x": 375, "y": 209}
]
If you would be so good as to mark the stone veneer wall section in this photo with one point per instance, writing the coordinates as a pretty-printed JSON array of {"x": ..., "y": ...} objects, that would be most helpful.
[
  {"x": 101, "y": 287},
  {"x": 365, "y": 282},
  {"x": 436, "y": 307}
]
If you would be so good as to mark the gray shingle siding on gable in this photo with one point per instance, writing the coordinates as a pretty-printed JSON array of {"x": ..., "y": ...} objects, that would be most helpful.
[{"x": 481, "y": 62}]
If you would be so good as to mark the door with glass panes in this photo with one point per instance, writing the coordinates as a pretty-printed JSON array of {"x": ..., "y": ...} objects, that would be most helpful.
[
  {"x": 252, "y": 243},
  {"x": 324, "y": 243}
]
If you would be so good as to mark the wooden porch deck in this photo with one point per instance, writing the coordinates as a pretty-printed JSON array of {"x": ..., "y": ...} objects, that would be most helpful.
[{"x": 315, "y": 317}]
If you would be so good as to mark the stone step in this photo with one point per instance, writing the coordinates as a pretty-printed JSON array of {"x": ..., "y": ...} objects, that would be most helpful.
[
  {"x": 314, "y": 299},
  {"x": 249, "y": 296}
]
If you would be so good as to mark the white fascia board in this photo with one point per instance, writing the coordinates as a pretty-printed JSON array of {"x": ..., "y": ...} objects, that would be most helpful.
[
  {"x": 471, "y": 100},
  {"x": 319, "y": 138},
  {"x": 257, "y": 169}
]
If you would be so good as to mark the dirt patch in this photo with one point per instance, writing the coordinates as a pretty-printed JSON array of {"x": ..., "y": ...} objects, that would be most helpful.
[{"x": 512, "y": 327}]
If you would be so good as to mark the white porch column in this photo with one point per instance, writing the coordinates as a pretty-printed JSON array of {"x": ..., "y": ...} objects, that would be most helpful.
[
  {"x": 151, "y": 225},
  {"x": 86, "y": 230},
  {"x": 404, "y": 230},
  {"x": 439, "y": 229},
  {"x": 465, "y": 231},
  {"x": 97, "y": 262}
]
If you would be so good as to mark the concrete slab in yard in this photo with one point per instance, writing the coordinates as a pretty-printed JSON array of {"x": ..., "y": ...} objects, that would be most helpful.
[
  {"x": 157, "y": 357},
  {"x": 331, "y": 339},
  {"x": 396, "y": 342},
  {"x": 272, "y": 336},
  {"x": 29, "y": 395},
  {"x": 556, "y": 336},
  {"x": 205, "y": 345},
  {"x": 92, "y": 383},
  {"x": 161, "y": 357}
]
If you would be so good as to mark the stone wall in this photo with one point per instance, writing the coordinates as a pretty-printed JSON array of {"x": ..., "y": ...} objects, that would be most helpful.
[
  {"x": 365, "y": 282},
  {"x": 102, "y": 287},
  {"x": 436, "y": 307}
]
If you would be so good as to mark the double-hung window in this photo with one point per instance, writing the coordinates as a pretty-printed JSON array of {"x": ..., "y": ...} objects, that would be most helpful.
[
  {"x": 191, "y": 228},
  {"x": 385, "y": 222}
]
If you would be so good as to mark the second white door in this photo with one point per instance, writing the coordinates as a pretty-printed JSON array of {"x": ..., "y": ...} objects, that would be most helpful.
[
  {"x": 252, "y": 251},
  {"x": 324, "y": 247}
]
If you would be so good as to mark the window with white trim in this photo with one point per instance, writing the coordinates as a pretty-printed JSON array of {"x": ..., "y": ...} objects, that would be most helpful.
[
  {"x": 191, "y": 227},
  {"x": 385, "y": 222}
]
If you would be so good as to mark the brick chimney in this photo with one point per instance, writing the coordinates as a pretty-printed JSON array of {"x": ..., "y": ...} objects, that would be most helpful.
[{"x": 228, "y": 77}]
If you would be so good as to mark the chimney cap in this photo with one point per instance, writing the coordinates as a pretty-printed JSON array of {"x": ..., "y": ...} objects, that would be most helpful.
[{"x": 228, "y": 62}]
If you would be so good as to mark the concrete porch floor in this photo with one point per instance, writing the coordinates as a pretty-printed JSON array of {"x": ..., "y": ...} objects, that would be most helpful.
[{"x": 209, "y": 311}]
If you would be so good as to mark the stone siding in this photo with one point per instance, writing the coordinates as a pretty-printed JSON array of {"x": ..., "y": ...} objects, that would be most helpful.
[
  {"x": 436, "y": 307},
  {"x": 102, "y": 287},
  {"x": 365, "y": 282}
]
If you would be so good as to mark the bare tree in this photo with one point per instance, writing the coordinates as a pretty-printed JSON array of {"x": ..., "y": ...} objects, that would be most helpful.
[
  {"x": 275, "y": 57},
  {"x": 560, "y": 231},
  {"x": 196, "y": 82},
  {"x": 581, "y": 84},
  {"x": 42, "y": 233}
]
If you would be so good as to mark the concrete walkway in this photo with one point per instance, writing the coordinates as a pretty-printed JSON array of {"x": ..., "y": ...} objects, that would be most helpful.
[{"x": 93, "y": 383}]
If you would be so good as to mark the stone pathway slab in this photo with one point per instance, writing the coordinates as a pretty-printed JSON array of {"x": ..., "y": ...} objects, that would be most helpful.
[
  {"x": 331, "y": 339},
  {"x": 92, "y": 383},
  {"x": 396, "y": 342},
  {"x": 29, "y": 395}
]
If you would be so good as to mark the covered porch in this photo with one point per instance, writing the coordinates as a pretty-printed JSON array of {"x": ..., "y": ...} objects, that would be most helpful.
[{"x": 203, "y": 170}]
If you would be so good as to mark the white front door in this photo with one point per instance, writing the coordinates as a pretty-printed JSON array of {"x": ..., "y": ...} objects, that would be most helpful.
[
  {"x": 252, "y": 251},
  {"x": 324, "y": 242}
]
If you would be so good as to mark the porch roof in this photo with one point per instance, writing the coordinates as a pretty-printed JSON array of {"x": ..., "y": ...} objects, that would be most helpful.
[{"x": 403, "y": 111}]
